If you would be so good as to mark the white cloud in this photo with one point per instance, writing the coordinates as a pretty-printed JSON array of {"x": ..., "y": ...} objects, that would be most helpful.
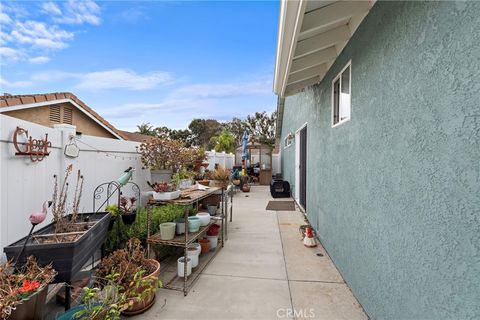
[
  {"x": 104, "y": 80},
  {"x": 32, "y": 38},
  {"x": 52, "y": 8},
  {"x": 39, "y": 60},
  {"x": 38, "y": 34},
  {"x": 74, "y": 12},
  {"x": 4, "y": 18},
  {"x": 9, "y": 55},
  {"x": 4, "y": 38},
  {"x": 122, "y": 79},
  {"x": 224, "y": 90},
  {"x": 15, "y": 84}
]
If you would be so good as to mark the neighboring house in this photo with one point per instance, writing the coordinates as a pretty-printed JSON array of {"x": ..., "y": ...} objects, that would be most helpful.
[
  {"x": 135, "y": 136},
  {"x": 58, "y": 108},
  {"x": 379, "y": 124}
]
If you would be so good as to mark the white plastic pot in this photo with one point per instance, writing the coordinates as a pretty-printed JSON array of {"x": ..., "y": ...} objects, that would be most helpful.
[
  {"x": 213, "y": 241},
  {"x": 180, "y": 226},
  {"x": 181, "y": 266},
  {"x": 193, "y": 255},
  {"x": 197, "y": 246}
]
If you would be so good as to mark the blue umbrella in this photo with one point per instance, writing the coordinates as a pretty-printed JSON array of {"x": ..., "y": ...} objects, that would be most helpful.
[{"x": 244, "y": 145}]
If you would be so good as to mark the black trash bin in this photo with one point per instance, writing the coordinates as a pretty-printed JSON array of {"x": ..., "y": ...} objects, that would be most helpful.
[{"x": 280, "y": 188}]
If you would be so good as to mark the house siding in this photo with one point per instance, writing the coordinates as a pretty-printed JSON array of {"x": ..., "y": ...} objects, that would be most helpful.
[
  {"x": 394, "y": 193},
  {"x": 41, "y": 115}
]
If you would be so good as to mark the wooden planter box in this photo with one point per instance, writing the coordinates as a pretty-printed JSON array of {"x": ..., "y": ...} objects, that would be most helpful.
[
  {"x": 31, "y": 308},
  {"x": 67, "y": 258}
]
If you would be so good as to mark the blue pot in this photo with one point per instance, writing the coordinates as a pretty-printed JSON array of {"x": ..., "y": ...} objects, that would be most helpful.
[
  {"x": 194, "y": 224},
  {"x": 70, "y": 314}
]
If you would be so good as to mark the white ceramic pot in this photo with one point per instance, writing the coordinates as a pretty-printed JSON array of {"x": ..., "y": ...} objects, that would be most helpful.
[
  {"x": 167, "y": 230},
  {"x": 181, "y": 267},
  {"x": 213, "y": 241},
  {"x": 185, "y": 184},
  {"x": 204, "y": 218},
  {"x": 161, "y": 175},
  {"x": 192, "y": 254}
]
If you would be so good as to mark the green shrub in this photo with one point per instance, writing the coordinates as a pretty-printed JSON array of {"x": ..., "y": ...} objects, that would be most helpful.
[{"x": 120, "y": 233}]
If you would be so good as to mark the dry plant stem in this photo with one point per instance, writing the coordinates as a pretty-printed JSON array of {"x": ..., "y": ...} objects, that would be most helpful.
[{"x": 78, "y": 196}]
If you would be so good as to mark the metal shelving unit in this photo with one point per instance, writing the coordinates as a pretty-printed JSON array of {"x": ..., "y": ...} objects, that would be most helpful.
[{"x": 188, "y": 198}]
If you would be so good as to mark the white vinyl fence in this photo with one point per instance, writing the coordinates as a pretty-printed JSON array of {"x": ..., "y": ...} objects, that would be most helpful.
[
  {"x": 25, "y": 185},
  {"x": 226, "y": 160}
]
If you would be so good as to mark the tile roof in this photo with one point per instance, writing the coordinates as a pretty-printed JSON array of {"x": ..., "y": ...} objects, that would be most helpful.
[
  {"x": 135, "y": 136},
  {"x": 15, "y": 100}
]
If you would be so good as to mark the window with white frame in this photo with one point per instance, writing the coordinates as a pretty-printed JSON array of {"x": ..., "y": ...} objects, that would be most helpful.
[{"x": 341, "y": 96}]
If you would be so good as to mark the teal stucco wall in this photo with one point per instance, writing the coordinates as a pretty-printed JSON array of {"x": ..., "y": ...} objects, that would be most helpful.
[{"x": 394, "y": 193}]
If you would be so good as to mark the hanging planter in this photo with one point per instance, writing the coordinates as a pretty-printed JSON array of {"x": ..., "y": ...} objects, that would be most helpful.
[{"x": 129, "y": 218}]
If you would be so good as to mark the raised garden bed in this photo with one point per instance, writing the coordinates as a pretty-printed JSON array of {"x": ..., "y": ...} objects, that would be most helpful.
[{"x": 68, "y": 252}]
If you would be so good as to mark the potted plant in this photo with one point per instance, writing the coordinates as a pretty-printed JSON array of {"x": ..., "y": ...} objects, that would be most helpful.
[
  {"x": 183, "y": 178},
  {"x": 166, "y": 156},
  {"x": 70, "y": 240},
  {"x": 202, "y": 178},
  {"x": 132, "y": 266},
  {"x": 23, "y": 293},
  {"x": 164, "y": 191},
  {"x": 200, "y": 158},
  {"x": 127, "y": 208},
  {"x": 221, "y": 176},
  {"x": 106, "y": 299},
  {"x": 114, "y": 211}
]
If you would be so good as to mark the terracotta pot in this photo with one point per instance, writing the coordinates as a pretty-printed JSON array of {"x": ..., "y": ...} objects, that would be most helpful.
[
  {"x": 205, "y": 183},
  {"x": 205, "y": 243},
  {"x": 141, "y": 306},
  {"x": 246, "y": 188}
]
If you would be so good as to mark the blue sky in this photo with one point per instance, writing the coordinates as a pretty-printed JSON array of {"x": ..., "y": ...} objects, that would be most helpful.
[{"x": 133, "y": 62}]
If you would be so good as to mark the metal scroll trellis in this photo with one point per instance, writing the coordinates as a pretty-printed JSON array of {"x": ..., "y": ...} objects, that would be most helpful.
[{"x": 111, "y": 192}]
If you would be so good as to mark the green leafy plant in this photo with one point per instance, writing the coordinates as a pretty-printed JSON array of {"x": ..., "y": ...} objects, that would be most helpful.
[
  {"x": 121, "y": 233},
  {"x": 108, "y": 298},
  {"x": 113, "y": 210},
  {"x": 182, "y": 174}
]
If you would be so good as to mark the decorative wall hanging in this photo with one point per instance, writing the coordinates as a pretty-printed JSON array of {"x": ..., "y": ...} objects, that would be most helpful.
[
  {"x": 36, "y": 149},
  {"x": 71, "y": 149}
]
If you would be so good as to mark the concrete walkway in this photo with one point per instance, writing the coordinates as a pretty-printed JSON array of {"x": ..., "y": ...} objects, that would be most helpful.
[{"x": 263, "y": 272}]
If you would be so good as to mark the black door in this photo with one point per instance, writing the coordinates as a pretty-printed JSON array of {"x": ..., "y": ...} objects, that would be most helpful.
[{"x": 303, "y": 168}]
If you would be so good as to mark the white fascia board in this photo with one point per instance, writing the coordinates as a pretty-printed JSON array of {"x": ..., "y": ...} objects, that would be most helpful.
[{"x": 291, "y": 16}]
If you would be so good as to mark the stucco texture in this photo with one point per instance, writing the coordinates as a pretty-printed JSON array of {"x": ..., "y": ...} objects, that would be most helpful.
[{"x": 394, "y": 193}]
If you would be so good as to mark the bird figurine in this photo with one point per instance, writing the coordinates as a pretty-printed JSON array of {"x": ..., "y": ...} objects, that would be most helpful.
[
  {"x": 127, "y": 175},
  {"x": 38, "y": 217},
  {"x": 35, "y": 218}
]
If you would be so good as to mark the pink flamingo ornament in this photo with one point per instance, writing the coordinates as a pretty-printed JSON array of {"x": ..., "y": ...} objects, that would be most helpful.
[
  {"x": 35, "y": 218},
  {"x": 38, "y": 217}
]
